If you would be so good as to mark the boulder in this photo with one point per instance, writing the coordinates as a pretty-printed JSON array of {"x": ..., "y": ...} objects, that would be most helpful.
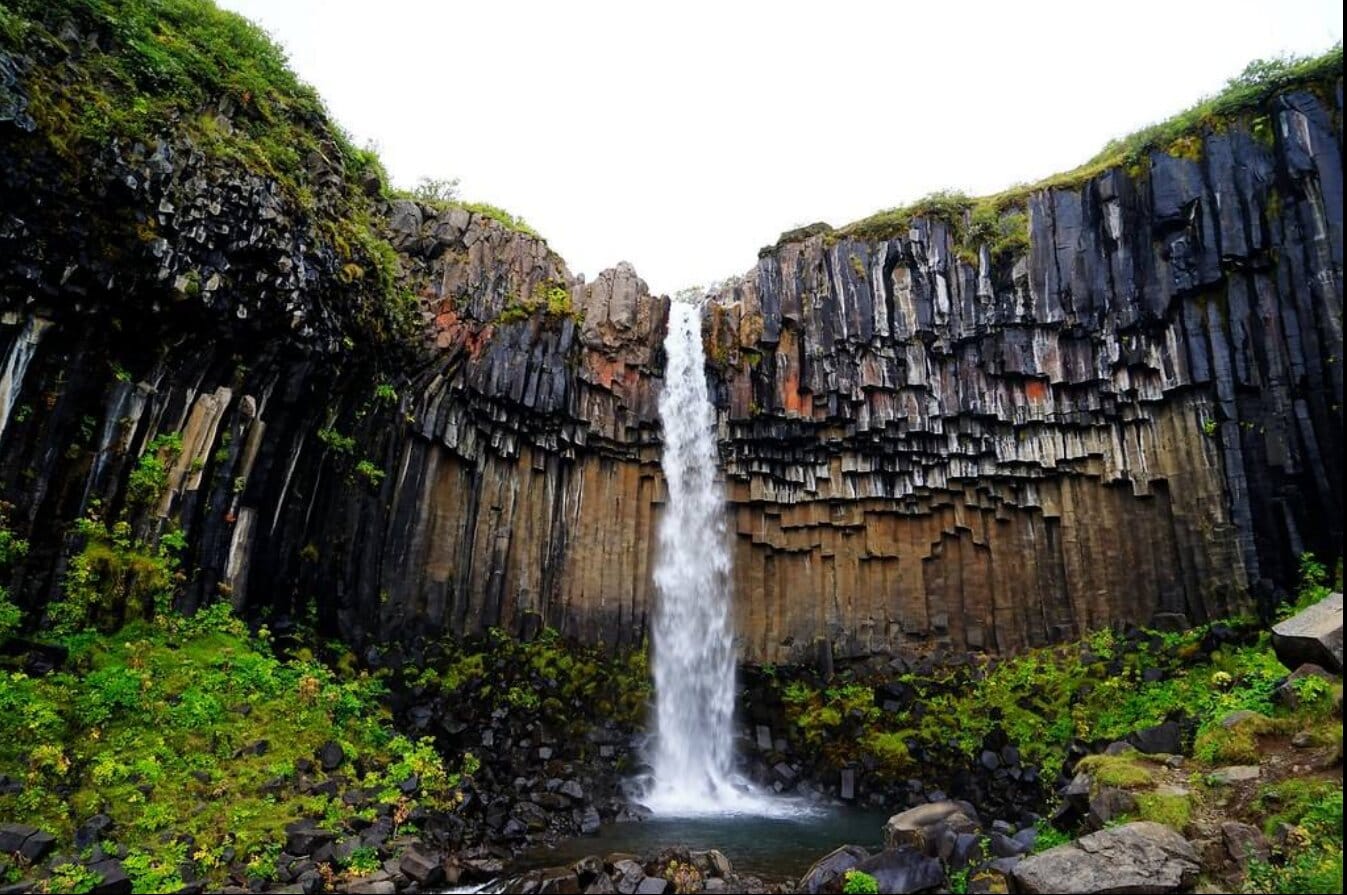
[
  {"x": 302, "y": 837},
  {"x": 1312, "y": 635},
  {"x": 331, "y": 755},
  {"x": 922, "y": 827},
  {"x": 1239, "y": 773},
  {"x": 1244, "y": 843},
  {"x": 831, "y": 866},
  {"x": 1110, "y": 803},
  {"x": 627, "y": 875},
  {"x": 425, "y": 868},
  {"x": 903, "y": 870},
  {"x": 13, "y": 836},
  {"x": 1288, "y": 695},
  {"x": 113, "y": 878},
  {"x": 1135, "y": 857},
  {"x": 1162, "y": 739}
]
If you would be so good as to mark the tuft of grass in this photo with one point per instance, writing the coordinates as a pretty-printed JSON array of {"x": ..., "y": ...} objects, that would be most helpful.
[
  {"x": 1172, "y": 809},
  {"x": 998, "y": 220},
  {"x": 145, "y": 71},
  {"x": 1126, "y": 771}
]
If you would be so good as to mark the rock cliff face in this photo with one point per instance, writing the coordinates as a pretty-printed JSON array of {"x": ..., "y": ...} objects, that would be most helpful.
[
  {"x": 926, "y": 445},
  {"x": 1142, "y": 414}
]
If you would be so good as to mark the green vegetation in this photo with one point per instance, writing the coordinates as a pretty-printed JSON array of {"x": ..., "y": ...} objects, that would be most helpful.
[
  {"x": 159, "y": 726},
  {"x": 115, "y": 578},
  {"x": 149, "y": 478},
  {"x": 567, "y": 685},
  {"x": 12, "y": 550},
  {"x": 443, "y": 194},
  {"x": 858, "y": 882},
  {"x": 1311, "y": 858},
  {"x": 187, "y": 69},
  {"x": 1125, "y": 770},
  {"x": 1096, "y": 691},
  {"x": 999, "y": 221},
  {"x": 552, "y": 298}
]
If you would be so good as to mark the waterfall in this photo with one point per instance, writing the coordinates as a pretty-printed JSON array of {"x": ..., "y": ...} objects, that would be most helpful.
[
  {"x": 16, "y": 365},
  {"x": 694, "y": 657}
]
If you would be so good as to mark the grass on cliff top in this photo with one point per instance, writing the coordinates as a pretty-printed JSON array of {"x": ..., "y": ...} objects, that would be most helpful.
[
  {"x": 141, "y": 70},
  {"x": 1243, "y": 95}
]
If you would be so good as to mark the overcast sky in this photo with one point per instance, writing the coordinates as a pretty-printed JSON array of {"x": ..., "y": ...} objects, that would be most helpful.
[{"x": 683, "y": 136}]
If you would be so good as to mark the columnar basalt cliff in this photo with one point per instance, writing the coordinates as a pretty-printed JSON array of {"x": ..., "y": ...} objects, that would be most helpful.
[
  {"x": 928, "y": 442},
  {"x": 1141, "y": 414}
]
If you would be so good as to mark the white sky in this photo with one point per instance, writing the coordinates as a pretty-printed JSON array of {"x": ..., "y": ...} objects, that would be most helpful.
[{"x": 682, "y": 136}]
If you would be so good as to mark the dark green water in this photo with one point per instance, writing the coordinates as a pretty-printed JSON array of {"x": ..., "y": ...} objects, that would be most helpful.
[{"x": 770, "y": 847}]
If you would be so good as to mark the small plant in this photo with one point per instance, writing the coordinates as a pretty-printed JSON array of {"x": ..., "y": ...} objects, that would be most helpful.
[
  {"x": 363, "y": 861},
  {"x": 73, "y": 878},
  {"x": 342, "y": 444},
  {"x": 368, "y": 471},
  {"x": 858, "y": 882},
  {"x": 149, "y": 479}
]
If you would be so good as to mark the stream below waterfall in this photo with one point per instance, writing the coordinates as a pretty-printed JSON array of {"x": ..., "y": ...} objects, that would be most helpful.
[{"x": 773, "y": 848}]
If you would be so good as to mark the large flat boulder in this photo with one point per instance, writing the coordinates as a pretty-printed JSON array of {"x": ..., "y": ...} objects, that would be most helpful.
[
  {"x": 1313, "y": 635},
  {"x": 922, "y": 827},
  {"x": 1139, "y": 857},
  {"x": 830, "y": 867}
]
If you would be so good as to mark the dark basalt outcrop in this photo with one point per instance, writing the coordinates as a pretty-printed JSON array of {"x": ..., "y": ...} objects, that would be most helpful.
[
  {"x": 1141, "y": 415},
  {"x": 927, "y": 445}
]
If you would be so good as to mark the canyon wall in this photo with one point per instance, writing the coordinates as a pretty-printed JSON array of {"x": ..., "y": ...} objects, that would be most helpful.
[{"x": 927, "y": 444}]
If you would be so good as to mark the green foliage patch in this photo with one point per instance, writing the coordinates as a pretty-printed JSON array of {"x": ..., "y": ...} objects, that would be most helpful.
[{"x": 191, "y": 725}]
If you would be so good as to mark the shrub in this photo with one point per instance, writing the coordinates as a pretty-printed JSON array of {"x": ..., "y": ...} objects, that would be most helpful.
[{"x": 858, "y": 882}]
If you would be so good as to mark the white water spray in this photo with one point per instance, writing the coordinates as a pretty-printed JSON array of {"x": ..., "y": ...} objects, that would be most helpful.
[
  {"x": 694, "y": 661},
  {"x": 15, "y": 365}
]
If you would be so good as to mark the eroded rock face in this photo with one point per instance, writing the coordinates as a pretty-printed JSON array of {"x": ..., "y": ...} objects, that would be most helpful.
[
  {"x": 926, "y": 447},
  {"x": 1141, "y": 417}
]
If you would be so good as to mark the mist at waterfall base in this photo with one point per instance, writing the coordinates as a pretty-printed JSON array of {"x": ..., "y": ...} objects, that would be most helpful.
[{"x": 694, "y": 656}]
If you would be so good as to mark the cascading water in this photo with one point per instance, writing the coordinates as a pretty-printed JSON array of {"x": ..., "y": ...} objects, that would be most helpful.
[
  {"x": 694, "y": 661},
  {"x": 16, "y": 365}
]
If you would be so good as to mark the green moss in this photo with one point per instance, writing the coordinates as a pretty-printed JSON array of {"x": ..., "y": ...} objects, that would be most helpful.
[
  {"x": 149, "y": 69},
  {"x": 1238, "y": 744},
  {"x": 551, "y": 298},
  {"x": 1126, "y": 771},
  {"x": 114, "y": 578},
  {"x": 149, "y": 478},
  {"x": 1171, "y": 809}
]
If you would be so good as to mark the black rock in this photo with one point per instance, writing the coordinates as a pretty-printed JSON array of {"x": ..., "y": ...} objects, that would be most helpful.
[
  {"x": 13, "y": 836},
  {"x": 303, "y": 837},
  {"x": 37, "y": 846},
  {"x": 114, "y": 878},
  {"x": 830, "y": 867},
  {"x": 903, "y": 870},
  {"x": 1166, "y": 738},
  {"x": 427, "y": 869},
  {"x": 1004, "y": 846},
  {"x": 989, "y": 760},
  {"x": 331, "y": 755}
]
